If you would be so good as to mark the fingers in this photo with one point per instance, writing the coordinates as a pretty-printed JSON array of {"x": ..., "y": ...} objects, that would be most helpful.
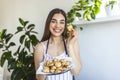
[
  {"x": 74, "y": 33},
  {"x": 71, "y": 34},
  {"x": 40, "y": 77}
]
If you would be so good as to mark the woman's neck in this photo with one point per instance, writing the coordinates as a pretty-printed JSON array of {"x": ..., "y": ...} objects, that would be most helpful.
[{"x": 56, "y": 40}]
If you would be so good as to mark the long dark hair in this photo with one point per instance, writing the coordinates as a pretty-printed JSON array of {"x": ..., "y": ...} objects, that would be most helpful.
[{"x": 47, "y": 33}]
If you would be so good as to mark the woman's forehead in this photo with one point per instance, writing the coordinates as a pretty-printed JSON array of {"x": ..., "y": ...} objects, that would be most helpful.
[{"x": 58, "y": 16}]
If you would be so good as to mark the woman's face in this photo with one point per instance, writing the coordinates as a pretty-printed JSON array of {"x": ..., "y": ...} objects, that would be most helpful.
[{"x": 57, "y": 25}]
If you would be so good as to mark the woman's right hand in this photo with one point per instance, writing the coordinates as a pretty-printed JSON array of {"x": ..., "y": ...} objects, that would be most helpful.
[{"x": 40, "y": 77}]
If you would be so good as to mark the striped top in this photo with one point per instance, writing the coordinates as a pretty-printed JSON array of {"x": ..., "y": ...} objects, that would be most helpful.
[{"x": 64, "y": 76}]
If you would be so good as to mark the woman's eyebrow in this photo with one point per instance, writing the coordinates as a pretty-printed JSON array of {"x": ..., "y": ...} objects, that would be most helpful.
[
  {"x": 60, "y": 20},
  {"x": 54, "y": 19}
]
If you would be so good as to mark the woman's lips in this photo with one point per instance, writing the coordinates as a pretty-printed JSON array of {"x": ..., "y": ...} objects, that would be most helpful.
[{"x": 57, "y": 30}]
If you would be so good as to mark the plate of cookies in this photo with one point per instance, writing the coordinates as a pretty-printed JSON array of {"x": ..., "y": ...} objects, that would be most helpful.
[{"x": 55, "y": 66}]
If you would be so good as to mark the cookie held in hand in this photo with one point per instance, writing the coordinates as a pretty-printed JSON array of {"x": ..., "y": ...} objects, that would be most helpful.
[{"x": 70, "y": 28}]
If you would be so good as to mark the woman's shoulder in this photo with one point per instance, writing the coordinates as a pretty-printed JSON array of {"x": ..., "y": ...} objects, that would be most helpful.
[
  {"x": 41, "y": 45},
  {"x": 44, "y": 42}
]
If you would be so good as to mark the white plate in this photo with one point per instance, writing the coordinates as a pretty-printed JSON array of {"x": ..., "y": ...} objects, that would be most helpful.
[{"x": 39, "y": 71}]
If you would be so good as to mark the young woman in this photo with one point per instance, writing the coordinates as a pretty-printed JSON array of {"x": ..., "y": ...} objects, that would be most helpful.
[{"x": 55, "y": 44}]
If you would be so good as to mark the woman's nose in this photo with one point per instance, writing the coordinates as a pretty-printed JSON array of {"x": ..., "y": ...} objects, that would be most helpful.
[{"x": 57, "y": 25}]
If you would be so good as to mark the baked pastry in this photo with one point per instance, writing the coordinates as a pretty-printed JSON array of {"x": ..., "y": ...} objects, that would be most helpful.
[
  {"x": 67, "y": 63},
  {"x": 62, "y": 60},
  {"x": 53, "y": 67},
  {"x": 55, "y": 60},
  {"x": 52, "y": 70},
  {"x": 46, "y": 69},
  {"x": 58, "y": 71},
  {"x": 56, "y": 66}
]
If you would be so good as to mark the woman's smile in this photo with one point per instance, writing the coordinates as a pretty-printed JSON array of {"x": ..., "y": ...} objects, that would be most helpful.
[{"x": 57, "y": 30}]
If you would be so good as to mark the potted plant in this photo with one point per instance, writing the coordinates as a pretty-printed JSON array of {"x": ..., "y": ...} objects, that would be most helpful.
[
  {"x": 85, "y": 9},
  {"x": 111, "y": 4},
  {"x": 20, "y": 60},
  {"x": 112, "y": 8}
]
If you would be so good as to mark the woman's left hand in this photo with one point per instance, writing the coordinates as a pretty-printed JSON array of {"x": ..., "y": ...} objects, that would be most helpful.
[{"x": 73, "y": 37}]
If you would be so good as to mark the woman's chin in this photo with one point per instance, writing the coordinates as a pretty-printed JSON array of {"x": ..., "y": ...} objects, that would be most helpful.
[{"x": 57, "y": 35}]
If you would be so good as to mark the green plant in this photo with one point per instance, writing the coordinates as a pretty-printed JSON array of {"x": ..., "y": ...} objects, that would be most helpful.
[
  {"x": 20, "y": 61},
  {"x": 90, "y": 9},
  {"x": 0, "y": 34},
  {"x": 111, "y": 3}
]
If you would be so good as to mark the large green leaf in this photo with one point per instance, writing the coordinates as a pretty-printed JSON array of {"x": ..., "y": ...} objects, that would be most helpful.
[
  {"x": 21, "y": 55},
  {"x": 3, "y": 33},
  {"x": 34, "y": 32},
  {"x": 31, "y": 26},
  {"x": 5, "y": 56},
  {"x": 70, "y": 20},
  {"x": 2, "y": 60},
  {"x": 12, "y": 64},
  {"x": 31, "y": 72},
  {"x": 29, "y": 60},
  {"x": 98, "y": 3},
  {"x": 87, "y": 15},
  {"x": 27, "y": 33},
  {"x": 11, "y": 44},
  {"x": 71, "y": 13},
  {"x": 17, "y": 74},
  {"x": 96, "y": 9},
  {"x": 26, "y": 22},
  {"x": 1, "y": 45},
  {"x": 17, "y": 52},
  {"x": 93, "y": 16},
  {"x": 22, "y": 39},
  {"x": 8, "y": 37},
  {"x": 27, "y": 44},
  {"x": 34, "y": 39},
  {"x": 78, "y": 14},
  {"x": 21, "y": 21},
  {"x": 81, "y": 28},
  {"x": 19, "y": 29}
]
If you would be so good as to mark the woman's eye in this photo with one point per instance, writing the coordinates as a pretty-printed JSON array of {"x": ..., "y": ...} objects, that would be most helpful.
[
  {"x": 53, "y": 21},
  {"x": 62, "y": 22}
]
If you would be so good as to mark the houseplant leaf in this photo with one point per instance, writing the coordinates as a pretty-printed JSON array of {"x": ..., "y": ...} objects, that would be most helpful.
[
  {"x": 22, "y": 39},
  {"x": 17, "y": 74}
]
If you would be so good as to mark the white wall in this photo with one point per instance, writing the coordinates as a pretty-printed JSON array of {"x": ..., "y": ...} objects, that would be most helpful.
[{"x": 100, "y": 51}]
